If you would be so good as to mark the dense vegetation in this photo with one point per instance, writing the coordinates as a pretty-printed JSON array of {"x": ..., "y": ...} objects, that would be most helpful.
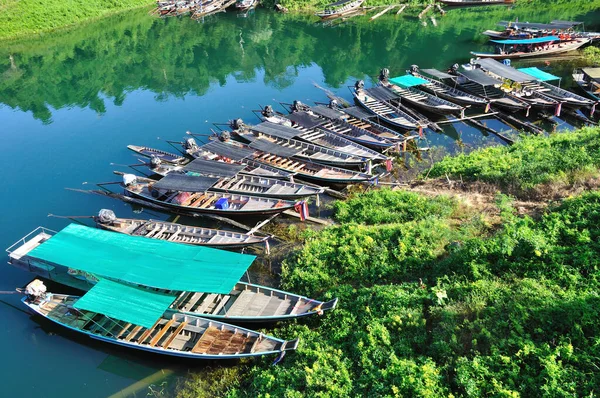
[
  {"x": 26, "y": 17},
  {"x": 592, "y": 55},
  {"x": 561, "y": 158},
  {"x": 439, "y": 299}
]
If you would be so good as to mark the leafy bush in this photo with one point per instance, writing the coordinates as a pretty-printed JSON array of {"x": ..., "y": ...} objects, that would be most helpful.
[
  {"x": 512, "y": 313},
  {"x": 531, "y": 161}
]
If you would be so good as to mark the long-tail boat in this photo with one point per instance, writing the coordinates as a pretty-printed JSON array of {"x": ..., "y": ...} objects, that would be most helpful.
[
  {"x": 445, "y": 91},
  {"x": 339, "y": 9},
  {"x": 332, "y": 120},
  {"x": 135, "y": 318},
  {"x": 536, "y": 47},
  {"x": 363, "y": 119},
  {"x": 174, "y": 232},
  {"x": 588, "y": 79},
  {"x": 383, "y": 109},
  {"x": 541, "y": 85},
  {"x": 405, "y": 88},
  {"x": 233, "y": 151},
  {"x": 480, "y": 83},
  {"x": 192, "y": 195},
  {"x": 203, "y": 281},
  {"x": 515, "y": 83},
  {"x": 315, "y": 135},
  {"x": 245, "y": 5},
  {"x": 216, "y": 167},
  {"x": 158, "y": 154},
  {"x": 231, "y": 180}
]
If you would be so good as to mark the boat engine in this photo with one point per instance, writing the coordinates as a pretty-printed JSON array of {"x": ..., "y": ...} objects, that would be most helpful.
[
  {"x": 414, "y": 69},
  {"x": 359, "y": 85},
  {"x": 36, "y": 290},
  {"x": 237, "y": 124},
  {"x": 298, "y": 106},
  {"x": 128, "y": 179},
  {"x": 384, "y": 74},
  {"x": 268, "y": 111},
  {"x": 106, "y": 216},
  {"x": 155, "y": 162},
  {"x": 190, "y": 144},
  {"x": 225, "y": 136},
  {"x": 333, "y": 104},
  {"x": 453, "y": 69}
]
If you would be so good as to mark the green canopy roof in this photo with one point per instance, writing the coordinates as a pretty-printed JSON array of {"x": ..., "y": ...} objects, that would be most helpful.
[
  {"x": 408, "y": 81},
  {"x": 131, "y": 304},
  {"x": 144, "y": 261},
  {"x": 539, "y": 74}
]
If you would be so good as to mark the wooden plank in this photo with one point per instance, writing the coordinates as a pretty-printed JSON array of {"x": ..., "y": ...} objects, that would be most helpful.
[
  {"x": 127, "y": 326},
  {"x": 174, "y": 335},
  {"x": 133, "y": 333},
  {"x": 145, "y": 335},
  {"x": 161, "y": 333},
  {"x": 205, "y": 303},
  {"x": 208, "y": 336}
]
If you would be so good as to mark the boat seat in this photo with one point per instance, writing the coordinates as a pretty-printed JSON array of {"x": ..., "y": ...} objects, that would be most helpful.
[
  {"x": 172, "y": 337},
  {"x": 159, "y": 335}
]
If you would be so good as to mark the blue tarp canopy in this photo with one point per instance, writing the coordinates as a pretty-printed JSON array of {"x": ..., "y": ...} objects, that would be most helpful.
[
  {"x": 539, "y": 74},
  {"x": 125, "y": 302},
  {"x": 529, "y": 41},
  {"x": 144, "y": 261},
  {"x": 408, "y": 81}
]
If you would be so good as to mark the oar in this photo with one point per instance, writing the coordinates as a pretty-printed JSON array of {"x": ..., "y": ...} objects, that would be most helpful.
[
  {"x": 128, "y": 165},
  {"x": 72, "y": 217},
  {"x": 198, "y": 135}
]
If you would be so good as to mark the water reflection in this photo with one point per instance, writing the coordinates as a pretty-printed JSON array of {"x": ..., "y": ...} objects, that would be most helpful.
[{"x": 176, "y": 57}]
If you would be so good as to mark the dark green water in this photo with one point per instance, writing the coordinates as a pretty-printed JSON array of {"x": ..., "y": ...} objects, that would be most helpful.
[{"x": 70, "y": 102}]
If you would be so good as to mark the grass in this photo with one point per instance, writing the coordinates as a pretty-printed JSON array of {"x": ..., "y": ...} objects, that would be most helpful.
[
  {"x": 530, "y": 163},
  {"x": 19, "y": 18}
]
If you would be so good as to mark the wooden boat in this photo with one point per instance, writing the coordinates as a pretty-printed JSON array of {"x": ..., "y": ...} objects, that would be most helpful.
[
  {"x": 267, "y": 114},
  {"x": 277, "y": 139},
  {"x": 383, "y": 109},
  {"x": 172, "y": 334},
  {"x": 210, "y": 7},
  {"x": 241, "y": 302},
  {"x": 481, "y": 84},
  {"x": 339, "y": 9},
  {"x": 245, "y": 5},
  {"x": 157, "y": 153},
  {"x": 194, "y": 198},
  {"x": 588, "y": 79},
  {"x": 333, "y": 121},
  {"x": 470, "y": 3},
  {"x": 304, "y": 169},
  {"x": 190, "y": 146},
  {"x": 244, "y": 183},
  {"x": 537, "y": 47},
  {"x": 540, "y": 84},
  {"x": 407, "y": 92},
  {"x": 515, "y": 83},
  {"x": 447, "y": 92},
  {"x": 178, "y": 233},
  {"x": 250, "y": 303},
  {"x": 316, "y": 135},
  {"x": 364, "y": 120}
]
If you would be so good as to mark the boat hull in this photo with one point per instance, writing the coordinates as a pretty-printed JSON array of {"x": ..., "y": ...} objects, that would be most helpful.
[
  {"x": 194, "y": 210},
  {"x": 144, "y": 347}
]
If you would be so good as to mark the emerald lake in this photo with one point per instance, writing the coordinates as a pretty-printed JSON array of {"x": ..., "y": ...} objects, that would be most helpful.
[{"x": 71, "y": 101}]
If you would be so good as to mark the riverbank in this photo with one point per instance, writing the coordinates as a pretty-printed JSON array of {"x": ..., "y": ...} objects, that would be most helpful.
[
  {"x": 440, "y": 295},
  {"x": 25, "y": 18}
]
